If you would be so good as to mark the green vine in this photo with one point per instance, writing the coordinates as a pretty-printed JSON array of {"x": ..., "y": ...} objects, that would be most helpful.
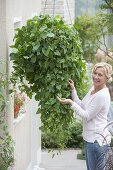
[
  {"x": 6, "y": 142},
  {"x": 46, "y": 54}
]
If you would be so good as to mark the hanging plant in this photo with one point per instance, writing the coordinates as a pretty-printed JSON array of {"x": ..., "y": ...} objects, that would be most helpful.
[{"x": 46, "y": 53}]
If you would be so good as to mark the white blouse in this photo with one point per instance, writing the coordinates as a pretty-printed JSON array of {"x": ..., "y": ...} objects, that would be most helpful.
[{"x": 93, "y": 109}]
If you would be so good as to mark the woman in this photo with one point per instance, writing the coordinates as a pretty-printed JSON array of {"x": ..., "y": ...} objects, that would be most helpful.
[{"x": 94, "y": 109}]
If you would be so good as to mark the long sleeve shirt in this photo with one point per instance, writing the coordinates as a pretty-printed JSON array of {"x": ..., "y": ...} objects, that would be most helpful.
[{"x": 93, "y": 109}]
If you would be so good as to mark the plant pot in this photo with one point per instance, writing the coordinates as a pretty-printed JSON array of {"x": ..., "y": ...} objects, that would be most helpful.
[{"x": 16, "y": 111}]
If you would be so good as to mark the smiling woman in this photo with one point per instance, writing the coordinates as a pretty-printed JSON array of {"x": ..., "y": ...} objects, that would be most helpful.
[
  {"x": 101, "y": 74},
  {"x": 94, "y": 110}
]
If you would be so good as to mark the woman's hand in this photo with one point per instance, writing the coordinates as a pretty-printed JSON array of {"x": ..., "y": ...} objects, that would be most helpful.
[
  {"x": 65, "y": 101},
  {"x": 71, "y": 84}
]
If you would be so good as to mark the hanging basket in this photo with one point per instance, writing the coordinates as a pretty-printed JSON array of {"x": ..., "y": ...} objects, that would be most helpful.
[{"x": 47, "y": 53}]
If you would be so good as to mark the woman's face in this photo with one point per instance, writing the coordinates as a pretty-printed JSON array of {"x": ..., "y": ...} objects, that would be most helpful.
[{"x": 99, "y": 77}]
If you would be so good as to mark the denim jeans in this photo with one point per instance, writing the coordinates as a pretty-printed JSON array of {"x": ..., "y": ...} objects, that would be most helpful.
[{"x": 95, "y": 155}]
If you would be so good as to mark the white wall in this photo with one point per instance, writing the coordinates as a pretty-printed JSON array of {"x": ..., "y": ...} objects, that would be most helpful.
[
  {"x": 27, "y": 138},
  {"x": 48, "y": 9},
  {"x": 25, "y": 130},
  {"x": 69, "y": 11},
  {"x": 64, "y": 8},
  {"x": 19, "y": 8},
  {"x": 22, "y": 133},
  {"x": 2, "y": 30},
  {"x": 35, "y": 134}
]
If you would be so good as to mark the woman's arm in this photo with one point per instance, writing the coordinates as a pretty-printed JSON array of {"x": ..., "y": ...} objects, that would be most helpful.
[
  {"x": 92, "y": 110},
  {"x": 75, "y": 97},
  {"x": 73, "y": 92}
]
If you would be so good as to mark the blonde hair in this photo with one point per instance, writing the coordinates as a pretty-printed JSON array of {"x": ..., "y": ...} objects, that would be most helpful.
[{"x": 107, "y": 69}]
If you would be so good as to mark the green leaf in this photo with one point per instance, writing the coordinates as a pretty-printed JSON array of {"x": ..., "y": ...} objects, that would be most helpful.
[
  {"x": 33, "y": 59},
  {"x": 45, "y": 51},
  {"x": 57, "y": 53},
  {"x": 50, "y": 34},
  {"x": 62, "y": 60},
  {"x": 44, "y": 35},
  {"x": 43, "y": 28},
  {"x": 26, "y": 57},
  {"x": 35, "y": 48},
  {"x": 12, "y": 56}
]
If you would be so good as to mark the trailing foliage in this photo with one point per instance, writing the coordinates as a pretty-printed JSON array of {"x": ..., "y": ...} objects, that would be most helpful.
[
  {"x": 75, "y": 130},
  {"x": 6, "y": 142},
  {"x": 46, "y": 53},
  {"x": 75, "y": 137}
]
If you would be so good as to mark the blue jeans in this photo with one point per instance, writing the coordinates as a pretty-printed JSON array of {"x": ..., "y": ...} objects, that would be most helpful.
[{"x": 95, "y": 155}]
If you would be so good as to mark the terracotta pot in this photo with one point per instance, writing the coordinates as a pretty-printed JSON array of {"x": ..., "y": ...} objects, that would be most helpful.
[{"x": 16, "y": 111}]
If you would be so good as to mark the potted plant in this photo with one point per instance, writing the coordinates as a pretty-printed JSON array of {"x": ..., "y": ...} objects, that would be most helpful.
[{"x": 19, "y": 100}]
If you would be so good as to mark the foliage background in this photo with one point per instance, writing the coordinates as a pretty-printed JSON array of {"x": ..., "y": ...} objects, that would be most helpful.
[
  {"x": 6, "y": 141},
  {"x": 96, "y": 32}
]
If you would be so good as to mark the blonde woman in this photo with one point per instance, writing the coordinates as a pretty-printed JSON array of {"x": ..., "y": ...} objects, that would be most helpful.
[{"x": 94, "y": 109}]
